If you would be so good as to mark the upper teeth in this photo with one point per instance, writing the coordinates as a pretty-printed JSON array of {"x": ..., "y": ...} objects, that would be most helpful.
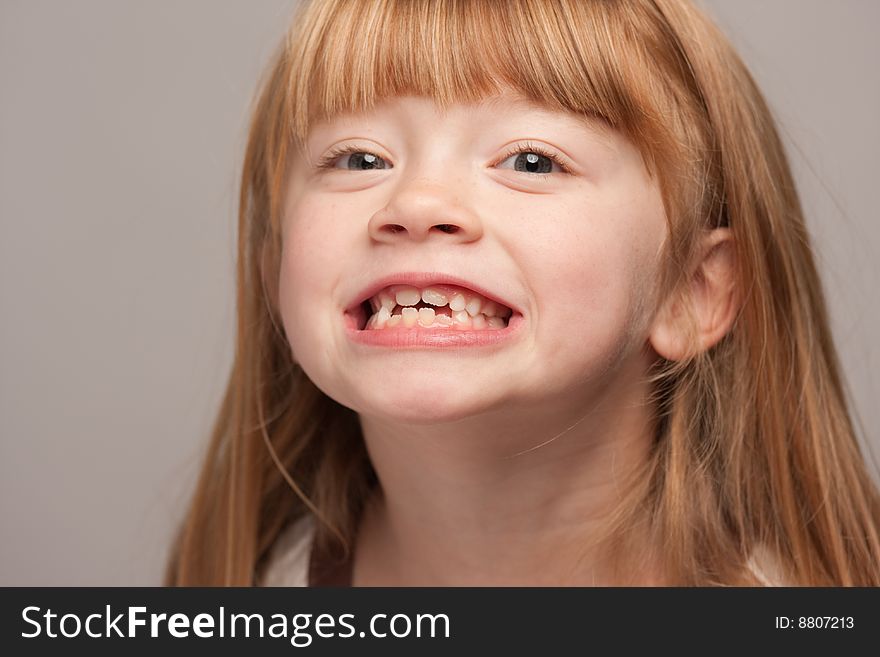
[
  {"x": 466, "y": 310},
  {"x": 457, "y": 299}
]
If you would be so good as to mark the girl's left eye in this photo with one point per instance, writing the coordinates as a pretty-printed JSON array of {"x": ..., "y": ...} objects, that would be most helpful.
[
  {"x": 531, "y": 159},
  {"x": 535, "y": 160}
]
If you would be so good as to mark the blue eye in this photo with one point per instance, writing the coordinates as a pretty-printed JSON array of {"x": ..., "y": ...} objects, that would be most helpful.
[
  {"x": 533, "y": 163},
  {"x": 533, "y": 159},
  {"x": 359, "y": 160}
]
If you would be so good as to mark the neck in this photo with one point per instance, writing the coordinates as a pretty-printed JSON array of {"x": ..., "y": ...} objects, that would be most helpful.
[{"x": 519, "y": 496}]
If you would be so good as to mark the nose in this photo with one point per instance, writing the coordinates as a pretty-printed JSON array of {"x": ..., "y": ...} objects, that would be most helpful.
[{"x": 424, "y": 209}]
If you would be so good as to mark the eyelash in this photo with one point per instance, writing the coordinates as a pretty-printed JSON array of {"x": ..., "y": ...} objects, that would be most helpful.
[
  {"x": 328, "y": 160},
  {"x": 528, "y": 147}
]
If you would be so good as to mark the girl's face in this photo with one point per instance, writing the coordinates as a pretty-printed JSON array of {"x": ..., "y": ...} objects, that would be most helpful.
[{"x": 571, "y": 245}]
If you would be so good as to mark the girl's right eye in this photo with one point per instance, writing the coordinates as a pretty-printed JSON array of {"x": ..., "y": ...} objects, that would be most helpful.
[{"x": 358, "y": 160}]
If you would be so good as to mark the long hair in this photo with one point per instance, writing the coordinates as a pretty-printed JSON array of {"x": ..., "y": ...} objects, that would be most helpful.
[{"x": 754, "y": 443}]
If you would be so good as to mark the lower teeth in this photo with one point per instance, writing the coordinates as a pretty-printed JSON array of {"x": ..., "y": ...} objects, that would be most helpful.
[{"x": 382, "y": 320}]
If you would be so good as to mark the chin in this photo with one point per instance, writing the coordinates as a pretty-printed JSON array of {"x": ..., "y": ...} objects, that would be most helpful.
[{"x": 425, "y": 403}]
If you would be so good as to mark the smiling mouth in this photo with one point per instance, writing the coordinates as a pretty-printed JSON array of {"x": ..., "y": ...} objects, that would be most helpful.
[{"x": 442, "y": 307}]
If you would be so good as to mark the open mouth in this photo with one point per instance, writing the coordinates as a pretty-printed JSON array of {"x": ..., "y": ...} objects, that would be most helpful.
[{"x": 442, "y": 307}]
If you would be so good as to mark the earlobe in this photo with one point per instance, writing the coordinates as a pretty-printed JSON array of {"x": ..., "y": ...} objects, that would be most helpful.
[
  {"x": 711, "y": 293},
  {"x": 668, "y": 337}
]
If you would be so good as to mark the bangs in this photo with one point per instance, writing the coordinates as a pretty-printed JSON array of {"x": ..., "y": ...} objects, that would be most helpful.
[{"x": 348, "y": 56}]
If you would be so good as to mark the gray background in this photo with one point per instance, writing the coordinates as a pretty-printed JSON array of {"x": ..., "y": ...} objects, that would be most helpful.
[{"x": 122, "y": 129}]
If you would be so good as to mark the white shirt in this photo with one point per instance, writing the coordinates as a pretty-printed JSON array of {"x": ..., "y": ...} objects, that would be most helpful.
[{"x": 289, "y": 558}]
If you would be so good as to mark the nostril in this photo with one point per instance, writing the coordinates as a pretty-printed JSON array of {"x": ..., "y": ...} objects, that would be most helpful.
[{"x": 447, "y": 228}]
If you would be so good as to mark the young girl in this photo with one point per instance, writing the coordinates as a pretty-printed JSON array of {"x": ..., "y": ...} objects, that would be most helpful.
[{"x": 525, "y": 297}]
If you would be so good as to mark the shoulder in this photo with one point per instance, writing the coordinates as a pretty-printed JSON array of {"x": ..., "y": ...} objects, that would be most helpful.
[
  {"x": 288, "y": 563},
  {"x": 766, "y": 567}
]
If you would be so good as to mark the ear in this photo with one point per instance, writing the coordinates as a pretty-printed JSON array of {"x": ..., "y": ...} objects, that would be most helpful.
[{"x": 712, "y": 293}]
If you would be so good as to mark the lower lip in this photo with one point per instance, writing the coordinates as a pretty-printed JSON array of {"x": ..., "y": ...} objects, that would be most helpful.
[{"x": 419, "y": 337}]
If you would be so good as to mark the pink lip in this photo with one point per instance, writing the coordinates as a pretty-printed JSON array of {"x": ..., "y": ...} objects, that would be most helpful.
[
  {"x": 418, "y": 336},
  {"x": 422, "y": 280}
]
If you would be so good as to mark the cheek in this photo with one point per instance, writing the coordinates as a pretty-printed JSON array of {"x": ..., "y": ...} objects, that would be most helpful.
[
  {"x": 309, "y": 268},
  {"x": 590, "y": 272},
  {"x": 590, "y": 295},
  {"x": 604, "y": 276},
  {"x": 295, "y": 293}
]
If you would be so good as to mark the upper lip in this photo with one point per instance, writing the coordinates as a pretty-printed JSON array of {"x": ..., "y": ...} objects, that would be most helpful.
[{"x": 422, "y": 280}]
